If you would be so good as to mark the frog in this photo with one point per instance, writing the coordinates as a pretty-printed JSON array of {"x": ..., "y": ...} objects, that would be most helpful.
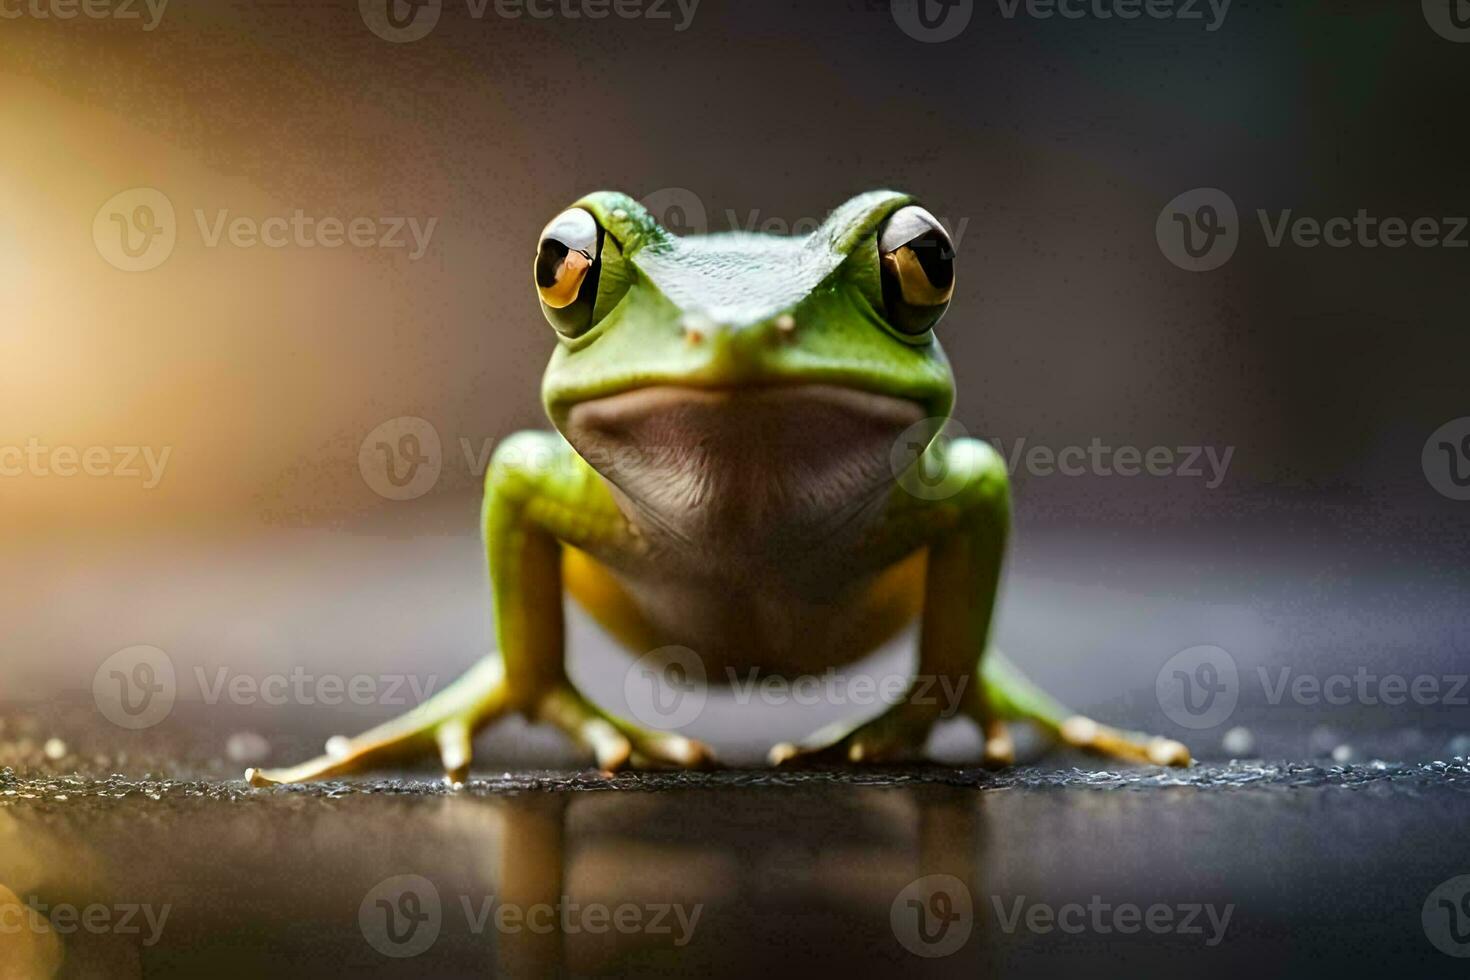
[{"x": 751, "y": 461}]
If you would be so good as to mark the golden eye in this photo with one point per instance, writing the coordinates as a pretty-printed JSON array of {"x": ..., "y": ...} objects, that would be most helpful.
[
  {"x": 566, "y": 269},
  {"x": 917, "y": 261},
  {"x": 559, "y": 273}
]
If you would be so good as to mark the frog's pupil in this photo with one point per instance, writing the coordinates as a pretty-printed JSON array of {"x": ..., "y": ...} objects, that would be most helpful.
[
  {"x": 936, "y": 258},
  {"x": 549, "y": 261}
]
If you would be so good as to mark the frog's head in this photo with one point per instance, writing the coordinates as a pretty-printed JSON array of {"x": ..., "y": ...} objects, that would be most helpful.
[{"x": 741, "y": 370}]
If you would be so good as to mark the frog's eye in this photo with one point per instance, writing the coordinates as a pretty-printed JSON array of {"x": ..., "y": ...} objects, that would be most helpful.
[
  {"x": 917, "y": 259},
  {"x": 567, "y": 270}
]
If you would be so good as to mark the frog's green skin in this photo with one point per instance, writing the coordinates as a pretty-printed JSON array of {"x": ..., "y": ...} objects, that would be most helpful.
[{"x": 721, "y": 480}]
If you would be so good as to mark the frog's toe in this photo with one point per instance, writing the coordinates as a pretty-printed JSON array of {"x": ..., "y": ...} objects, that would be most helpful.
[
  {"x": 791, "y": 754},
  {"x": 1088, "y": 735},
  {"x": 852, "y": 750},
  {"x": 612, "y": 749},
  {"x": 896, "y": 736},
  {"x": 655, "y": 749},
  {"x": 658, "y": 750},
  {"x": 1000, "y": 750},
  {"x": 374, "y": 749},
  {"x": 616, "y": 744}
]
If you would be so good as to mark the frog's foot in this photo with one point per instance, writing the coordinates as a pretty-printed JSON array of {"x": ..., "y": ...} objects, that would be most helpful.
[
  {"x": 900, "y": 733},
  {"x": 1097, "y": 739},
  {"x": 1004, "y": 692},
  {"x": 447, "y": 721},
  {"x": 617, "y": 744},
  {"x": 1000, "y": 750}
]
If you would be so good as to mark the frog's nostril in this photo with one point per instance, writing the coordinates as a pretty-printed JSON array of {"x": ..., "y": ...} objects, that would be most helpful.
[
  {"x": 700, "y": 328},
  {"x": 697, "y": 327}
]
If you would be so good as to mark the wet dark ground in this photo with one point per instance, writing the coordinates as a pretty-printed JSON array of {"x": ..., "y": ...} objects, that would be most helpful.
[
  {"x": 1321, "y": 869},
  {"x": 1325, "y": 850}
]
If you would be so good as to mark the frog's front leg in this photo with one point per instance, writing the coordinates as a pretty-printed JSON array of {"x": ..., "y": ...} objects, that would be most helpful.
[
  {"x": 538, "y": 496},
  {"x": 962, "y": 575},
  {"x": 542, "y": 497},
  {"x": 998, "y": 690},
  {"x": 966, "y": 535}
]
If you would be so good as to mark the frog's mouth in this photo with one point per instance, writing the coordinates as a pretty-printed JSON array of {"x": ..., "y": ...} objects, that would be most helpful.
[
  {"x": 788, "y": 460},
  {"x": 654, "y": 400}
]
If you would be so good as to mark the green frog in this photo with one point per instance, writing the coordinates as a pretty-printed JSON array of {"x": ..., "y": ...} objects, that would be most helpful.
[{"x": 749, "y": 463}]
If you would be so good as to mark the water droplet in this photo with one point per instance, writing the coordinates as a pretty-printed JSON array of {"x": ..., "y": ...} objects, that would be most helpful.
[
  {"x": 1238, "y": 742},
  {"x": 1460, "y": 746},
  {"x": 247, "y": 748}
]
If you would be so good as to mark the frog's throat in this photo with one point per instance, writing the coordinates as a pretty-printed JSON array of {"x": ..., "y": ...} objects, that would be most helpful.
[{"x": 759, "y": 469}]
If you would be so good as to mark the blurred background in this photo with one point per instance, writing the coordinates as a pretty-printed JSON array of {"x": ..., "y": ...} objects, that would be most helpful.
[
  {"x": 265, "y": 311},
  {"x": 247, "y": 386}
]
